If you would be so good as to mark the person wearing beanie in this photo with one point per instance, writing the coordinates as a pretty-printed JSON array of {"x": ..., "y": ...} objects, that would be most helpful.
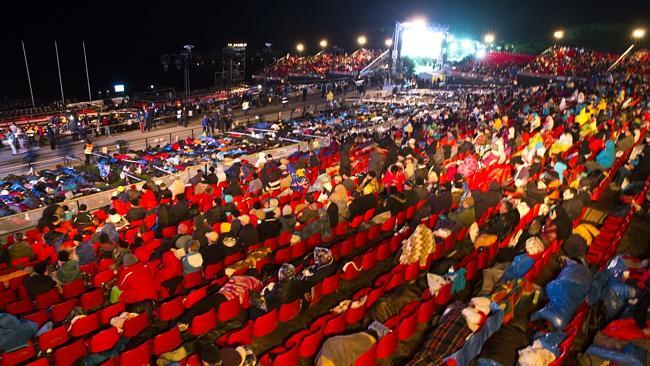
[
  {"x": 287, "y": 289},
  {"x": 287, "y": 219}
]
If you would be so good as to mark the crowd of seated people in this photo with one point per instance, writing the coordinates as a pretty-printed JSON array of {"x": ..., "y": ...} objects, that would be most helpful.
[
  {"x": 322, "y": 64},
  {"x": 496, "y": 64},
  {"x": 259, "y": 236},
  {"x": 637, "y": 63},
  {"x": 571, "y": 61}
]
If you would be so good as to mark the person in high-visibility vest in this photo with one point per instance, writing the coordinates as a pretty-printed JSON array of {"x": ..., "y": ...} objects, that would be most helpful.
[{"x": 88, "y": 151}]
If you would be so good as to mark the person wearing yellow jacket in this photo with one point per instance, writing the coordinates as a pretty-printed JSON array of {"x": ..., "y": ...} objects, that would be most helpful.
[{"x": 88, "y": 151}]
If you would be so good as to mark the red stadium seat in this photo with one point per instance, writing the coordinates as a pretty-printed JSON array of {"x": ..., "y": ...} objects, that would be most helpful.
[
  {"x": 104, "y": 340},
  {"x": 167, "y": 341},
  {"x": 60, "y": 311},
  {"x": 74, "y": 289},
  {"x": 66, "y": 356},
  {"x": 171, "y": 309},
  {"x": 40, "y": 317},
  {"x": 194, "y": 297},
  {"x": 243, "y": 336},
  {"x": 84, "y": 325},
  {"x": 44, "y": 301},
  {"x": 310, "y": 344},
  {"x": 203, "y": 323},
  {"x": 289, "y": 311},
  {"x": 53, "y": 338},
  {"x": 19, "y": 307},
  {"x": 138, "y": 356},
  {"x": 111, "y": 311},
  {"x": 335, "y": 325},
  {"x": 192, "y": 280},
  {"x": 289, "y": 357},
  {"x": 18, "y": 356},
  {"x": 92, "y": 300},
  {"x": 265, "y": 324},
  {"x": 369, "y": 358},
  {"x": 228, "y": 310},
  {"x": 133, "y": 326},
  {"x": 330, "y": 284},
  {"x": 407, "y": 327},
  {"x": 387, "y": 345}
]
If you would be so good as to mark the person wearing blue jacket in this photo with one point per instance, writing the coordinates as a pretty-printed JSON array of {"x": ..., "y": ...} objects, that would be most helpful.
[{"x": 604, "y": 159}]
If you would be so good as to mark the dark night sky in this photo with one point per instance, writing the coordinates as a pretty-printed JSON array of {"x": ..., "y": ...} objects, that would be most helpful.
[{"x": 125, "y": 39}]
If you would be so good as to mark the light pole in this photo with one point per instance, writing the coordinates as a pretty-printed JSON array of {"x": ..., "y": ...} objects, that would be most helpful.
[
  {"x": 29, "y": 78},
  {"x": 637, "y": 34},
  {"x": 558, "y": 35},
  {"x": 300, "y": 48},
  {"x": 388, "y": 42},
  {"x": 323, "y": 43},
  {"x": 188, "y": 61}
]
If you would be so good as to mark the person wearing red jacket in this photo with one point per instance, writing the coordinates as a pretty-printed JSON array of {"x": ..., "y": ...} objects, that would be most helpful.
[
  {"x": 394, "y": 177},
  {"x": 136, "y": 282}
]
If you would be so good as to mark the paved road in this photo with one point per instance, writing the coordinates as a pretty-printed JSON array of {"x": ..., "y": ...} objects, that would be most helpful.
[{"x": 45, "y": 157}]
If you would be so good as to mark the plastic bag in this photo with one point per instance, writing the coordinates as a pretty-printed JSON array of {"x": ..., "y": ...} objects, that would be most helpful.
[{"x": 518, "y": 267}]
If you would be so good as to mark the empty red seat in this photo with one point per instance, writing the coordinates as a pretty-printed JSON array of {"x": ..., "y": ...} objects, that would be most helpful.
[
  {"x": 389, "y": 224},
  {"x": 171, "y": 309},
  {"x": 335, "y": 325},
  {"x": 203, "y": 323},
  {"x": 310, "y": 344},
  {"x": 243, "y": 336},
  {"x": 194, "y": 297},
  {"x": 228, "y": 310},
  {"x": 289, "y": 357},
  {"x": 387, "y": 345},
  {"x": 138, "y": 356},
  {"x": 48, "y": 299},
  {"x": 407, "y": 327},
  {"x": 133, "y": 326},
  {"x": 19, "y": 307},
  {"x": 289, "y": 311},
  {"x": 18, "y": 356},
  {"x": 103, "y": 277},
  {"x": 92, "y": 300},
  {"x": 111, "y": 311},
  {"x": 74, "y": 288},
  {"x": 104, "y": 340},
  {"x": 265, "y": 324},
  {"x": 192, "y": 280},
  {"x": 84, "y": 325},
  {"x": 53, "y": 338},
  {"x": 167, "y": 341},
  {"x": 66, "y": 356},
  {"x": 330, "y": 284},
  {"x": 60, "y": 311}
]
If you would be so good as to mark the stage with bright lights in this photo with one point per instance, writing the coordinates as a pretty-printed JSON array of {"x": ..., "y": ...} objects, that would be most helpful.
[{"x": 429, "y": 48}]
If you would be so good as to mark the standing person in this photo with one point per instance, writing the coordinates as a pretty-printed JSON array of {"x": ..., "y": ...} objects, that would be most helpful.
[
  {"x": 88, "y": 151},
  {"x": 107, "y": 128},
  {"x": 11, "y": 140},
  {"x": 141, "y": 122},
  {"x": 205, "y": 124},
  {"x": 51, "y": 136}
]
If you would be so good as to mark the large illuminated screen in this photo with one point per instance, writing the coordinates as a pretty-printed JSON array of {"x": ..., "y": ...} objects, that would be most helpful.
[{"x": 423, "y": 45}]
